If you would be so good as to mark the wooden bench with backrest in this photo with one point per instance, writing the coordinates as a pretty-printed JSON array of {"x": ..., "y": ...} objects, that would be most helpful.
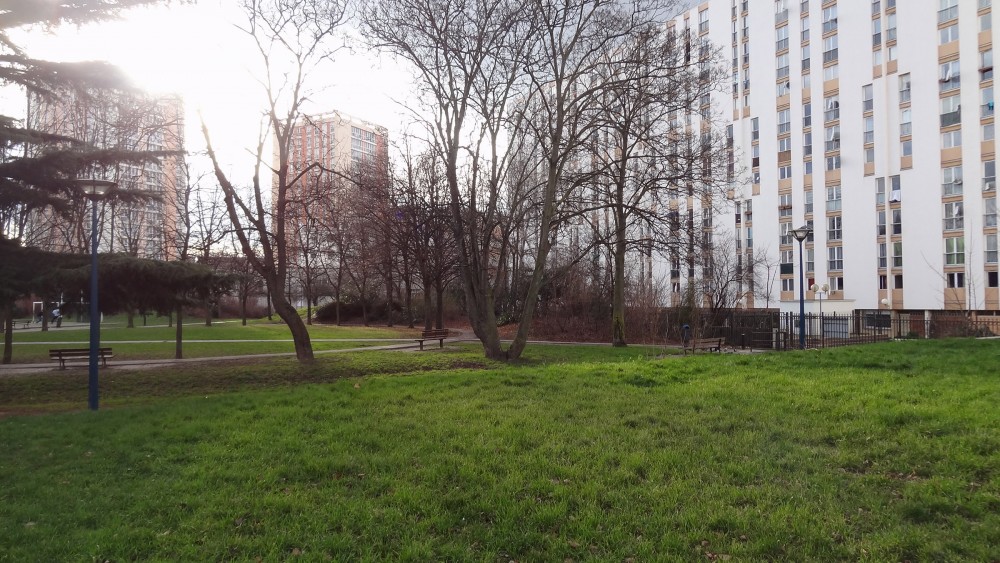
[
  {"x": 62, "y": 355},
  {"x": 438, "y": 334},
  {"x": 708, "y": 344}
]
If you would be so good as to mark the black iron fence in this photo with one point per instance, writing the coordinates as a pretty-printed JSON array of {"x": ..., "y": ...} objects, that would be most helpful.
[{"x": 781, "y": 331}]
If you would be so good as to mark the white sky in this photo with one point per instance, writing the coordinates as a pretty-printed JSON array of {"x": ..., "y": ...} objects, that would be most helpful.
[{"x": 196, "y": 51}]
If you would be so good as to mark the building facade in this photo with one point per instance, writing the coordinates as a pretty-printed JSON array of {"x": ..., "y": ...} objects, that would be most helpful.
[
  {"x": 127, "y": 122},
  {"x": 872, "y": 121}
]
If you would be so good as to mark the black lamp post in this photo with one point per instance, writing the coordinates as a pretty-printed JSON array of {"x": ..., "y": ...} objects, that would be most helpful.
[
  {"x": 94, "y": 190},
  {"x": 800, "y": 235}
]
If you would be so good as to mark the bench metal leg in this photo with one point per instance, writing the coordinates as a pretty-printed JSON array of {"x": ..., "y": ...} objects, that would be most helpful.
[{"x": 441, "y": 343}]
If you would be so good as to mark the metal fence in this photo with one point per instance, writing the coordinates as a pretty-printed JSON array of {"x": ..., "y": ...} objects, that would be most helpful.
[{"x": 780, "y": 331}]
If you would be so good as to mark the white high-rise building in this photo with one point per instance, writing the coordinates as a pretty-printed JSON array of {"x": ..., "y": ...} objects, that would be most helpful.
[{"x": 873, "y": 122}]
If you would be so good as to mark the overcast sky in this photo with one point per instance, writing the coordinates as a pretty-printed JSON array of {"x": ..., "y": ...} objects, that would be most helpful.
[{"x": 196, "y": 51}]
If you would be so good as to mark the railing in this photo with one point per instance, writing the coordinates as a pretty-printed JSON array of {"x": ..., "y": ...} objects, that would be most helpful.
[{"x": 780, "y": 331}]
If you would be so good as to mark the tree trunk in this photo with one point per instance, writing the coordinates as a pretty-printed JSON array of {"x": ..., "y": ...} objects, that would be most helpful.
[
  {"x": 179, "y": 334},
  {"x": 300, "y": 334},
  {"x": 269, "y": 305},
  {"x": 243, "y": 308},
  {"x": 618, "y": 294},
  {"x": 8, "y": 333},
  {"x": 388, "y": 301},
  {"x": 208, "y": 312},
  {"x": 428, "y": 308},
  {"x": 309, "y": 305},
  {"x": 408, "y": 299},
  {"x": 130, "y": 315},
  {"x": 439, "y": 314}
]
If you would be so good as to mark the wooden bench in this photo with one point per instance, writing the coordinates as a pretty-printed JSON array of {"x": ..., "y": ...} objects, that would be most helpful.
[
  {"x": 438, "y": 334},
  {"x": 62, "y": 355},
  {"x": 709, "y": 344}
]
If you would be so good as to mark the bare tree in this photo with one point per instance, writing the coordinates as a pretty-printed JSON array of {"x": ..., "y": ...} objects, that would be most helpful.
[
  {"x": 296, "y": 32},
  {"x": 642, "y": 160}
]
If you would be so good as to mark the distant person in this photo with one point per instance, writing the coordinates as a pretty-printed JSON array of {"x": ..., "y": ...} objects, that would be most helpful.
[{"x": 57, "y": 317}]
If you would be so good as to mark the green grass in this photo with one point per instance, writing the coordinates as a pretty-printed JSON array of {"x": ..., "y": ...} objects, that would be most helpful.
[
  {"x": 884, "y": 452},
  {"x": 157, "y": 342}
]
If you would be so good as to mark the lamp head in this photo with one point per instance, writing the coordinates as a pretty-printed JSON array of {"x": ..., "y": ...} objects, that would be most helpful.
[
  {"x": 802, "y": 232},
  {"x": 93, "y": 187}
]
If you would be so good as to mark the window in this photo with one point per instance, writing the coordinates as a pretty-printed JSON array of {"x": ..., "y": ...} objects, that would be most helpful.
[
  {"x": 985, "y": 4},
  {"x": 830, "y": 49},
  {"x": 986, "y": 97},
  {"x": 876, "y": 32},
  {"x": 877, "y": 57},
  {"x": 836, "y": 283},
  {"x": 880, "y": 195},
  {"x": 898, "y": 281},
  {"x": 881, "y": 255},
  {"x": 810, "y": 259},
  {"x": 785, "y": 205},
  {"x": 951, "y": 181},
  {"x": 834, "y": 228},
  {"x": 703, "y": 21},
  {"x": 784, "y": 172},
  {"x": 992, "y": 279},
  {"x": 835, "y": 258},
  {"x": 989, "y": 175},
  {"x": 986, "y": 22},
  {"x": 895, "y": 189},
  {"x": 948, "y": 10},
  {"x": 905, "y": 122},
  {"x": 951, "y": 139},
  {"x": 784, "y": 121},
  {"x": 954, "y": 216},
  {"x": 986, "y": 65},
  {"x": 831, "y": 72},
  {"x": 876, "y": 7},
  {"x": 948, "y": 34},
  {"x": 950, "y": 76},
  {"x": 890, "y": 27},
  {"x": 754, "y": 129},
  {"x": 955, "y": 279},
  {"x": 906, "y": 148},
  {"x": 897, "y": 254},
  {"x": 951, "y": 110},
  {"x": 781, "y": 63},
  {"x": 784, "y": 144},
  {"x": 785, "y": 233},
  {"x": 807, "y": 167},
  {"x": 869, "y": 130},
  {"x": 897, "y": 221},
  {"x": 880, "y": 223},
  {"x": 832, "y": 138},
  {"x": 990, "y": 212},
  {"x": 805, "y": 29},
  {"x": 954, "y": 251},
  {"x": 805, "y": 58},
  {"x": 788, "y": 284},
  {"x": 882, "y": 284},
  {"x": 991, "y": 248},
  {"x": 833, "y": 162},
  {"x": 989, "y": 133},
  {"x": 833, "y": 198},
  {"x": 904, "y": 88},
  {"x": 807, "y": 115},
  {"x": 781, "y": 38},
  {"x": 893, "y": 52},
  {"x": 867, "y": 98},
  {"x": 788, "y": 258},
  {"x": 829, "y": 19},
  {"x": 869, "y": 155},
  {"x": 809, "y": 202}
]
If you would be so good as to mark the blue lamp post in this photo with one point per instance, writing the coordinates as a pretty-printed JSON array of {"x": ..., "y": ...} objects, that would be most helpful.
[
  {"x": 800, "y": 235},
  {"x": 94, "y": 190}
]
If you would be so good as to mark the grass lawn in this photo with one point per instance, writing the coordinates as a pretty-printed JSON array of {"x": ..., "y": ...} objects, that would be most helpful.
[
  {"x": 157, "y": 342},
  {"x": 882, "y": 452}
]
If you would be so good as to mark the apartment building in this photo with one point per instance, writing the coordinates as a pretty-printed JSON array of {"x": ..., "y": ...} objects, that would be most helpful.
[
  {"x": 123, "y": 121},
  {"x": 873, "y": 122}
]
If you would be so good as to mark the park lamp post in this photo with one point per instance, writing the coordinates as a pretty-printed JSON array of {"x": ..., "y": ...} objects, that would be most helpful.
[
  {"x": 800, "y": 235},
  {"x": 820, "y": 290},
  {"x": 94, "y": 190}
]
